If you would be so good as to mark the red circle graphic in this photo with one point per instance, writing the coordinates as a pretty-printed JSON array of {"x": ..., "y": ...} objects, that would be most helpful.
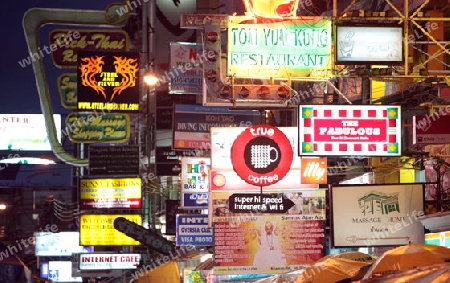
[{"x": 256, "y": 149}]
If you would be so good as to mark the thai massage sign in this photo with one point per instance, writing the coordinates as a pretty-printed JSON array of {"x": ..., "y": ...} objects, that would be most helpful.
[
  {"x": 67, "y": 43},
  {"x": 99, "y": 128},
  {"x": 298, "y": 47},
  {"x": 267, "y": 155},
  {"x": 349, "y": 130},
  {"x": 108, "y": 81}
]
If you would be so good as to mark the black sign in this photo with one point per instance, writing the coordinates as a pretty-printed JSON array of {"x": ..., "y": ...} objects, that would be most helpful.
[
  {"x": 263, "y": 203},
  {"x": 114, "y": 160},
  {"x": 108, "y": 81},
  {"x": 147, "y": 237}
]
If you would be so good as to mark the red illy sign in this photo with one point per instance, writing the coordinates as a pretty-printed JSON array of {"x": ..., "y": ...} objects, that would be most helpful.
[{"x": 267, "y": 154}]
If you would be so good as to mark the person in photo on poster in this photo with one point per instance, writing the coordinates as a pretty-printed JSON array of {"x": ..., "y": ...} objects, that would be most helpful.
[{"x": 269, "y": 252}]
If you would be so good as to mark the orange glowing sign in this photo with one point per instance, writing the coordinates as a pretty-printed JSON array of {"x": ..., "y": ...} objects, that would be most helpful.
[
  {"x": 314, "y": 170},
  {"x": 108, "y": 81},
  {"x": 271, "y": 9}
]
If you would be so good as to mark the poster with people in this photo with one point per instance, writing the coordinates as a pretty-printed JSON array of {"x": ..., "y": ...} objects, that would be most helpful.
[{"x": 256, "y": 242}]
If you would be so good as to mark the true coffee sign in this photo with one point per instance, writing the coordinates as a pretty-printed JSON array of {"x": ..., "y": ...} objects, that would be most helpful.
[{"x": 267, "y": 154}]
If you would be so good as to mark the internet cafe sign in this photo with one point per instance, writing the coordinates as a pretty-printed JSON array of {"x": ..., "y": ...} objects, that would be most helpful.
[
  {"x": 299, "y": 47},
  {"x": 68, "y": 42}
]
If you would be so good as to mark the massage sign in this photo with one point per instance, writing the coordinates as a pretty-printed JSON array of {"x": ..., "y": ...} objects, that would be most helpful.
[{"x": 267, "y": 154}]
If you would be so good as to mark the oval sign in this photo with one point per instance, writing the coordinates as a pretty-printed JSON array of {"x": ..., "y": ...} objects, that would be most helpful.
[{"x": 267, "y": 154}]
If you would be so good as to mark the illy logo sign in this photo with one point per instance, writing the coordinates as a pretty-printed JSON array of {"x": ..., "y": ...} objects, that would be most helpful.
[{"x": 314, "y": 170}]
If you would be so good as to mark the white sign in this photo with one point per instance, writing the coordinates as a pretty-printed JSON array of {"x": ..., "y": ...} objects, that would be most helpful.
[
  {"x": 109, "y": 261},
  {"x": 26, "y": 131},
  {"x": 377, "y": 215},
  {"x": 61, "y": 271}
]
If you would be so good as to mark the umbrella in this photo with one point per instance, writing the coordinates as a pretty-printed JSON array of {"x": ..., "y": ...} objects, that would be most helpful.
[
  {"x": 330, "y": 270},
  {"x": 408, "y": 256},
  {"x": 353, "y": 255},
  {"x": 437, "y": 273}
]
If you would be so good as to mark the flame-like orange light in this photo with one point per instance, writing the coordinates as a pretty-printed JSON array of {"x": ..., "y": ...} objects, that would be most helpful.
[
  {"x": 128, "y": 68},
  {"x": 91, "y": 66}
]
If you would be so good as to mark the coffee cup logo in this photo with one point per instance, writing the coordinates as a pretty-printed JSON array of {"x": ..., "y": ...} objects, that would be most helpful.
[{"x": 262, "y": 157}]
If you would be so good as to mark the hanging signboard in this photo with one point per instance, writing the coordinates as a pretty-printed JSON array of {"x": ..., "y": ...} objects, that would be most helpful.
[
  {"x": 195, "y": 181},
  {"x": 66, "y": 43},
  {"x": 193, "y": 230},
  {"x": 363, "y": 130},
  {"x": 67, "y": 89},
  {"x": 186, "y": 68},
  {"x": 299, "y": 47},
  {"x": 108, "y": 81},
  {"x": 98, "y": 128}
]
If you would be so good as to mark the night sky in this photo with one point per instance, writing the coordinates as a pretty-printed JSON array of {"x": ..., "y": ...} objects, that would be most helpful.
[{"x": 18, "y": 91}]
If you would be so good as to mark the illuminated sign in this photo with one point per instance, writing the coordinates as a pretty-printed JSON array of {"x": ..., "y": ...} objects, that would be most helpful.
[
  {"x": 432, "y": 129},
  {"x": 362, "y": 45},
  {"x": 223, "y": 175},
  {"x": 55, "y": 244},
  {"x": 367, "y": 130},
  {"x": 67, "y": 88},
  {"x": 186, "y": 67},
  {"x": 193, "y": 230},
  {"x": 299, "y": 47},
  {"x": 271, "y": 9},
  {"x": 61, "y": 271},
  {"x": 194, "y": 174},
  {"x": 98, "y": 128},
  {"x": 66, "y": 43},
  {"x": 98, "y": 261},
  {"x": 26, "y": 131},
  {"x": 110, "y": 193},
  {"x": 267, "y": 154},
  {"x": 98, "y": 230},
  {"x": 314, "y": 170},
  {"x": 108, "y": 81}
]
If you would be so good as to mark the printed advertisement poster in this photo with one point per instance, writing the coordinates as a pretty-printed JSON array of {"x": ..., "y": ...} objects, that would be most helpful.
[
  {"x": 377, "y": 215},
  {"x": 258, "y": 242}
]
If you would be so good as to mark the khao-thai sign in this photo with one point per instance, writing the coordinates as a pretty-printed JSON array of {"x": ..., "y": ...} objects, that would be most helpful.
[
  {"x": 299, "y": 47},
  {"x": 99, "y": 128},
  {"x": 267, "y": 154},
  {"x": 108, "y": 81},
  {"x": 67, "y": 88},
  {"x": 367, "y": 130},
  {"x": 64, "y": 44}
]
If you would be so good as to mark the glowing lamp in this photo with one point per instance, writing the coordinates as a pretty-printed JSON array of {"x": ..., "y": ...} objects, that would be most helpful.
[{"x": 150, "y": 78}]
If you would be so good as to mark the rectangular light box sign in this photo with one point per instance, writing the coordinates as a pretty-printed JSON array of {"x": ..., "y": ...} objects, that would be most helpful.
[
  {"x": 362, "y": 130},
  {"x": 299, "y": 47},
  {"x": 99, "y": 261},
  {"x": 374, "y": 45}
]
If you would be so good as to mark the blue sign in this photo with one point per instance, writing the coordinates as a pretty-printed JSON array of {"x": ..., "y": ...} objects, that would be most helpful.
[{"x": 193, "y": 230}]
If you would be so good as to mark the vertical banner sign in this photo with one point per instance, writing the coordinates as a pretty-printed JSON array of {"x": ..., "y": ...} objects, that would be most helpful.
[
  {"x": 108, "y": 81},
  {"x": 186, "y": 67},
  {"x": 195, "y": 181},
  {"x": 369, "y": 130}
]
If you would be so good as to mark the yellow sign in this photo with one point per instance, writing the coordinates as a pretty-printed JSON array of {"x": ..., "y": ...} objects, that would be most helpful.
[
  {"x": 67, "y": 88},
  {"x": 98, "y": 230},
  {"x": 290, "y": 48}
]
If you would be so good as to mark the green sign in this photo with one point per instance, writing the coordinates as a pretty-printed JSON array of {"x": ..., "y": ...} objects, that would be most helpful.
[
  {"x": 290, "y": 48},
  {"x": 67, "y": 88},
  {"x": 98, "y": 128}
]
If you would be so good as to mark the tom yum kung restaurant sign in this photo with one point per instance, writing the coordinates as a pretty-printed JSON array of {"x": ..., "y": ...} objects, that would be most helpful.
[
  {"x": 299, "y": 47},
  {"x": 108, "y": 81},
  {"x": 349, "y": 130},
  {"x": 267, "y": 155}
]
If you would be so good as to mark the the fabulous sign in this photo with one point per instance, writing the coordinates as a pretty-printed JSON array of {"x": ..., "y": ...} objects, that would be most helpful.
[
  {"x": 65, "y": 43},
  {"x": 108, "y": 81},
  {"x": 363, "y": 130},
  {"x": 299, "y": 47},
  {"x": 267, "y": 155}
]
